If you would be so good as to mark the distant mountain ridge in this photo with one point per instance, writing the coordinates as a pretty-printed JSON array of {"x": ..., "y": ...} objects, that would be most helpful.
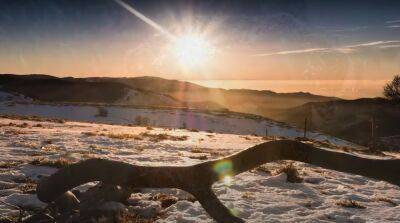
[
  {"x": 347, "y": 119},
  {"x": 153, "y": 91}
]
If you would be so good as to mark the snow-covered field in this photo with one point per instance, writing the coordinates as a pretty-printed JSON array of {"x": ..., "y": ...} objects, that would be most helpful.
[
  {"x": 256, "y": 196},
  {"x": 169, "y": 118}
]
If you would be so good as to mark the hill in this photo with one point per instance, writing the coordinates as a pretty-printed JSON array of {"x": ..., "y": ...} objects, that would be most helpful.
[
  {"x": 238, "y": 100},
  {"x": 151, "y": 91},
  {"x": 349, "y": 119}
]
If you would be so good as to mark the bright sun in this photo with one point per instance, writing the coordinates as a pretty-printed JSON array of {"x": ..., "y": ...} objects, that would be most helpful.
[{"x": 192, "y": 50}]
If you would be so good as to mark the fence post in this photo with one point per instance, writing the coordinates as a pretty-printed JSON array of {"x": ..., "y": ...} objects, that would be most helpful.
[{"x": 373, "y": 133}]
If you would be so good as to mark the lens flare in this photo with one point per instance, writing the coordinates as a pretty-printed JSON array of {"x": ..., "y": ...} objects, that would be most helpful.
[
  {"x": 224, "y": 169},
  {"x": 228, "y": 180}
]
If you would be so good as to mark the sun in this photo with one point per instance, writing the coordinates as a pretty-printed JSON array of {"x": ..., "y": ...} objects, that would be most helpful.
[{"x": 192, "y": 50}]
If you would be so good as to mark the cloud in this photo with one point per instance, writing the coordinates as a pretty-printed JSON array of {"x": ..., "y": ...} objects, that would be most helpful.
[
  {"x": 393, "y": 21},
  {"x": 352, "y": 29},
  {"x": 390, "y": 46},
  {"x": 393, "y": 26},
  {"x": 375, "y": 43},
  {"x": 292, "y": 52},
  {"x": 343, "y": 49}
]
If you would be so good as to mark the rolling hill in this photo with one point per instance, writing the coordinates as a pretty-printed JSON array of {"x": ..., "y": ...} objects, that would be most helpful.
[{"x": 349, "y": 119}]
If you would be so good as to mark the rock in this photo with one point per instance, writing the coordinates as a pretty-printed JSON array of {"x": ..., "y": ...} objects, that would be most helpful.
[
  {"x": 146, "y": 209},
  {"x": 38, "y": 218},
  {"x": 25, "y": 201},
  {"x": 104, "y": 192},
  {"x": 112, "y": 206},
  {"x": 313, "y": 180},
  {"x": 7, "y": 185},
  {"x": 7, "y": 192}
]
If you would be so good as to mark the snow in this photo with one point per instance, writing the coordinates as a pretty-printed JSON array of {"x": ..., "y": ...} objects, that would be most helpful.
[
  {"x": 8, "y": 97},
  {"x": 255, "y": 196},
  {"x": 231, "y": 123},
  {"x": 144, "y": 98}
]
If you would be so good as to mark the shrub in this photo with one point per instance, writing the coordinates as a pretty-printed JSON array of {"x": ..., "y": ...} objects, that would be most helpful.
[
  {"x": 102, "y": 112},
  {"x": 392, "y": 89},
  {"x": 58, "y": 163},
  {"x": 293, "y": 175},
  {"x": 350, "y": 204},
  {"x": 140, "y": 120}
]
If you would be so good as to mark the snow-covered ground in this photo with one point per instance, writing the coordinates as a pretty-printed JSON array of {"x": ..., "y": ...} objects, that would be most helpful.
[
  {"x": 168, "y": 118},
  {"x": 256, "y": 196}
]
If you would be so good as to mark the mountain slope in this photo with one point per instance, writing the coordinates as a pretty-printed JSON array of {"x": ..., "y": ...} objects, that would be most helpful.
[
  {"x": 348, "y": 119},
  {"x": 51, "y": 89},
  {"x": 154, "y": 92},
  {"x": 238, "y": 100}
]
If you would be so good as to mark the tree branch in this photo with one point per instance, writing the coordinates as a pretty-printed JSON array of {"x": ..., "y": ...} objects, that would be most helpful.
[{"x": 198, "y": 179}]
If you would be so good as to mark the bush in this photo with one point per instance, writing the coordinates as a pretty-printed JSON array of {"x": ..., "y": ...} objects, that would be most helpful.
[
  {"x": 293, "y": 175},
  {"x": 140, "y": 120},
  {"x": 102, "y": 112},
  {"x": 392, "y": 89}
]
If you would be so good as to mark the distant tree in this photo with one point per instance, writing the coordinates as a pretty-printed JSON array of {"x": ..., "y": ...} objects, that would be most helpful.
[
  {"x": 141, "y": 120},
  {"x": 392, "y": 89},
  {"x": 101, "y": 112}
]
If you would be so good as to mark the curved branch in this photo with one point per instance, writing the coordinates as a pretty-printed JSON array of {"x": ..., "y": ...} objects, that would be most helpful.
[
  {"x": 197, "y": 179},
  {"x": 380, "y": 169}
]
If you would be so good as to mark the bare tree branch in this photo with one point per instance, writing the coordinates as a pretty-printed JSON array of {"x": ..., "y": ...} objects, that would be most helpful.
[{"x": 198, "y": 179}]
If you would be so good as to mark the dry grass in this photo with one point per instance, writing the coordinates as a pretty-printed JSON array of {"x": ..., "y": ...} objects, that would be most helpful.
[
  {"x": 164, "y": 199},
  {"x": 10, "y": 219},
  {"x": 10, "y": 164},
  {"x": 198, "y": 150},
  {"x": 149, "y": 128},
  {"x": 350, "y": 204},
  {"x": 293, "y": 175},
  {"x": 248, "y": 195},
  {"x": 28, "y": 188},
  {"x": 246, "y": 137},
  {"x": 387, "y": 200},
  {"x": 58, "y": 163},
  {"x": 199, "y": 157},
  {"x": 89, "y": 134},
  {"x": 50, "y": 148},
  {"x": 124, "y": 136},
  {"x": 26, "y": 144},
  {"x": 14, "y": 132},
  {"x": 129, "y": 218},
  {"x": 162, "y": 137},
  {"x": 32, "y": 118},
  {"x": 263, "y": 169}
]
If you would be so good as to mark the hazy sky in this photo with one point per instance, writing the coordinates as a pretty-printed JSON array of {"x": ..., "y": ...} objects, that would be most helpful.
[{"x": 233, "y": 39}]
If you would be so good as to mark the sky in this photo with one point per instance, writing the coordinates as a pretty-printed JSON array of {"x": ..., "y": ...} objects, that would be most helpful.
[{"x": 185, "y": 39}]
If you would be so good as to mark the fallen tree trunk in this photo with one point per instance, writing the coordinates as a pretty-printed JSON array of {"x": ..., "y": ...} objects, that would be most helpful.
[{"x": 198, "y": 179}]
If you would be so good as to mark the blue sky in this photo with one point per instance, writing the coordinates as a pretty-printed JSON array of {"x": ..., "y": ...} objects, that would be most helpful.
[{"x": 252, "y": 39}]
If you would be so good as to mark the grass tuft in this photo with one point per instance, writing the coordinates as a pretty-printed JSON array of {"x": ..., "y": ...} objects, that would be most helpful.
[
  {"x": 293, "y": 175},
  {"x": 348, "y": 203},
  {"x": 58, "y": 163}
]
